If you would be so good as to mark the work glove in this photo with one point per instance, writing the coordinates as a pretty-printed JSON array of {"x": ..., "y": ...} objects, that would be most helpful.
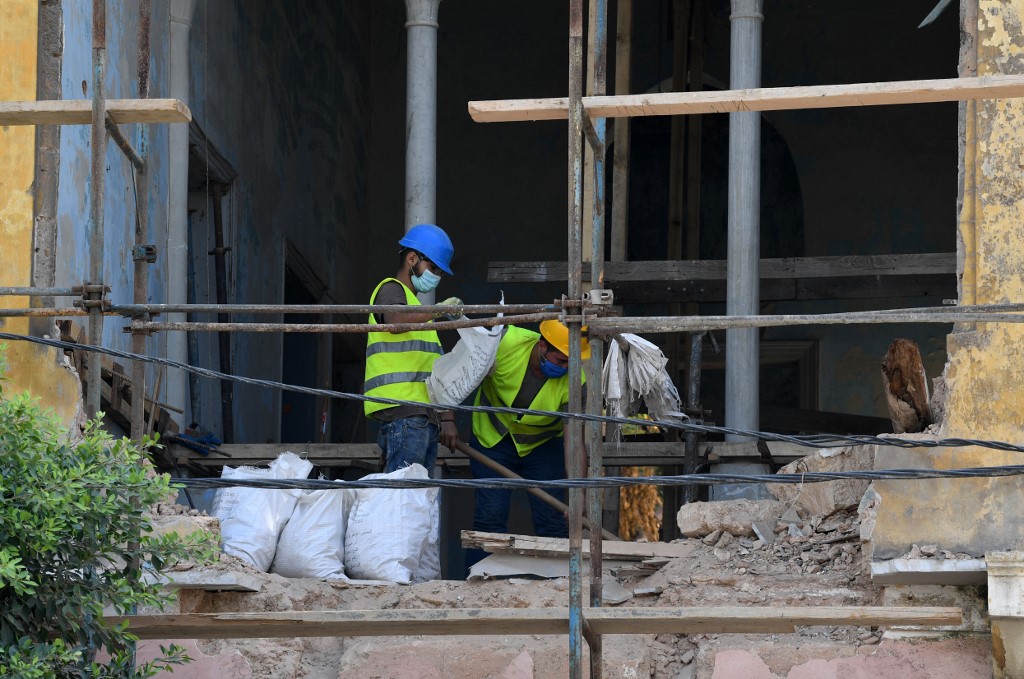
[{"x": 449, "y": 316}]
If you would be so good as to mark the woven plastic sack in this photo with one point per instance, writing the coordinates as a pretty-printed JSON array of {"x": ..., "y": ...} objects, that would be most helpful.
[
  {"x": 457, "y": 374},
  {"x": 390, "y": 530},
  {"x": 251, "y": 519},
  {"x": 312, "y": 543}
]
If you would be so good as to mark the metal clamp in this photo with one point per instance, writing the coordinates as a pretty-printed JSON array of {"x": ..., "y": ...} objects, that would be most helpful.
[
  {"x": 144, "y": 252},
  {"x": 599, "y": 296}
]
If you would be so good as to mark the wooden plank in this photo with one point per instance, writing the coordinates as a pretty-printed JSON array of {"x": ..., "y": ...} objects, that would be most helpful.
[
  {"x": 758, "y": 99},
  {"x": 786, "y": 268},
  {"x": 348, "y": 454},
  {"x": 502, "y": 543},
  {"x": 798, "y": 289},
  {"x": 504, "y": 621},
  {"x": 79, "y": 111},
  {"x": 208, "y": 580}
]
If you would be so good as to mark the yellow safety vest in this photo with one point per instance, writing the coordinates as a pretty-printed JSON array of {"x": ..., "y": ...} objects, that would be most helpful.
[
  {"x": 500, "y": 389},
  {"x": 397, "y": 363}
]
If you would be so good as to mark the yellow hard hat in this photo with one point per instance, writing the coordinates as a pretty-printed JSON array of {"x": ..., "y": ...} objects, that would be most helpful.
[{"x": 557, "y": 335}]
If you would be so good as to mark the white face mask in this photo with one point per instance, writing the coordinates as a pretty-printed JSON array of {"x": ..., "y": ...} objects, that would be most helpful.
[{"x": 426, "y": 281}]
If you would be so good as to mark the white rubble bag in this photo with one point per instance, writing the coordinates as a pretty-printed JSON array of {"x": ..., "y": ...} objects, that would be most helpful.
[
  {"x": 251, "y": 519},
  {"x": 393, "y": 533},
  {"x": 312, "y": 543},
  {"x": 628, "y": 377},
  {"x": 458, "y": 373}
]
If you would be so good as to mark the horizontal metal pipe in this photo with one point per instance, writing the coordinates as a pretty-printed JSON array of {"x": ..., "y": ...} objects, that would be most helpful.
[
  {"x": 39, "y": 292},
  {"x": 123, "y": 143},
  {"x": 605, "y": 326},
  {"x": 342, "y": 327},
  {"x": 43, "y": 311},
  {"x": 132, "y": 309}
]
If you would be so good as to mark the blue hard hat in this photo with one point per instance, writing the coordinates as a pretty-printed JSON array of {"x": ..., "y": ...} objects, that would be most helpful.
[{"x": 433, "y": 242}]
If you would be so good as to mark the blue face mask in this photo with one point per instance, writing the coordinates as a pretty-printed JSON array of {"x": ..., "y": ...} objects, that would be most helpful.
[
  {"x": 426, "y": 281},
  {"x": 550, "y": 369}
]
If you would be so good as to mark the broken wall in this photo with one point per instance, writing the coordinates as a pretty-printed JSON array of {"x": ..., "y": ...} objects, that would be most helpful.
[{"x": 984, "y": 375}]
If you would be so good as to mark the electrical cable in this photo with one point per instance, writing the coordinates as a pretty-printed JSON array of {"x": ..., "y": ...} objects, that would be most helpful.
[
  {"x": 809, "y": 441},
  {"x": 609, "y": 481}
]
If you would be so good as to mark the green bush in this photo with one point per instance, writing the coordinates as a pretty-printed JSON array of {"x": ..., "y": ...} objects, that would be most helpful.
[{"x": 73, "y": 527}]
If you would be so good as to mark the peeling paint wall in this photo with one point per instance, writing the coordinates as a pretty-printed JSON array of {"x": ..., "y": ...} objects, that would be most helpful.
[
  {"x": 281, "y": 90},
  {"x": 31, "y": 368},
  {"x": 984, "y": 373}
]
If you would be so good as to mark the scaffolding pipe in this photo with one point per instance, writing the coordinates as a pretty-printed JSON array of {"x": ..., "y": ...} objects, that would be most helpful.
[
  {"x": 574, "y": 438},
  {"x": 599, "y": 85},
  {"x": 134, "y": 309},
  {"x": 742, "y": 295},
  {"x": 39, "y": 292},
  {"x": 692, "y": 405},
  {"x": 200, "y": 326},
  {"x": 140, "y": 282},
  {"x": 96, "y": 226},
  {"x": 122, "y": 143}
]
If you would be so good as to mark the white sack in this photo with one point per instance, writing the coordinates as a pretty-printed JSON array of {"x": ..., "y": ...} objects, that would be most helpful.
[
  {"x": 312, "y": 543},
  {"x": 458, "y": 373},
  {"x": 390, "y": 531},
  {"x": 251, "y": 519}
]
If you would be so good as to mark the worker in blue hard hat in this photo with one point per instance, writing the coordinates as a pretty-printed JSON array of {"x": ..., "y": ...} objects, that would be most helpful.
[
  {"x": 530, "y": 372},
  {"x": 397, "y": 363}
]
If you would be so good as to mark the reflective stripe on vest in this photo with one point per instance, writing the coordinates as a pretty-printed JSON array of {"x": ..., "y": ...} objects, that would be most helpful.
[
  {"x": 501, "y": 387},
  {"x": 397, "y": 363}
]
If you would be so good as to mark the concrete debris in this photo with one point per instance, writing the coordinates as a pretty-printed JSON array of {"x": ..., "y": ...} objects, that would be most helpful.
[
  {"x": 699, "y": 519},
  {"x": 829, "y": 497}
]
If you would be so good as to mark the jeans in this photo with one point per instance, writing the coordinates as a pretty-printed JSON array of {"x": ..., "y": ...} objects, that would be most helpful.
[
  {"x": 545, "y": 462},
  {"x": 407, "y": 441}
]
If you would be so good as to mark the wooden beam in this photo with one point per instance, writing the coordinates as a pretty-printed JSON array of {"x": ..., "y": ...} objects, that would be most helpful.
[
  {"x": 79, "y": 111},
  {"x": 349, "y": 454},
  {"x": 502, "y": 543},
  {"x": 759, "y": 99},
  {"x": 503, "y": 621},
  {"x": 786, "y": 268}
]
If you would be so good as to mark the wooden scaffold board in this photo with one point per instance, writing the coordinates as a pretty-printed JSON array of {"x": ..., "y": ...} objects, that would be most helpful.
[
  {"x": 79, "y": 111},
  {"x": 501, "y": 621},
  {"x": 759, "y": 99}
]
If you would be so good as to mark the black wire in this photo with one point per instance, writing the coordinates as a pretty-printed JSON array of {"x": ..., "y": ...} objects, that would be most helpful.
[
  {"x": 609, "y": 481},
  {"x": 809, "y": 441}
]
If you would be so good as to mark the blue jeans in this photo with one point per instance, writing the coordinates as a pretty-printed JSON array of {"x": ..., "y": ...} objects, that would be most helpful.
[
  {"x": 407, "y": 441},
  {"x": 545, "y": 462}
]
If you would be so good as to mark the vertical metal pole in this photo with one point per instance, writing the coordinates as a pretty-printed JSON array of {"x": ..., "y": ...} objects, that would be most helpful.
[
  {"x": 421, "y": 116},
  {"x": 140, "y": 290},
  {"x": 692, "y": 401},
  {"x": 140, "y": 287},
  {"x": 599, "y": 78},
  {"x": 96, "y": 231},
  {"x": 741, "y": 369},
  {"x": 574, "y": 439}
]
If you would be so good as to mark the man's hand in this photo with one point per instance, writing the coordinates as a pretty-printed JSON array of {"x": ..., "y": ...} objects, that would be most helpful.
[
  {"x": 449, "y": 316},
  {"x": 448, "y": 436}
]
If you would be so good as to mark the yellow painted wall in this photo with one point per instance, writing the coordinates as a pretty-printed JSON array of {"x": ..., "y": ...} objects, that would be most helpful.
[
  {"x": 32, "y": 367},
  {"x": 18, "y": 34},
  {"x": 985, "y": 369}
]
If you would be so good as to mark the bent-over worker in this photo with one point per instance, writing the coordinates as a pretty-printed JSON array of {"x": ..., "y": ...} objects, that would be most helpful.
[
  {"x": 398, "y": 362},
  {"x": 529, "y": 372}
]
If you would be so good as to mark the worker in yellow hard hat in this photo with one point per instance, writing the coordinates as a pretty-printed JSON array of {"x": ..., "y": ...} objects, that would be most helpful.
[{"x": 530, "y": 373}]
